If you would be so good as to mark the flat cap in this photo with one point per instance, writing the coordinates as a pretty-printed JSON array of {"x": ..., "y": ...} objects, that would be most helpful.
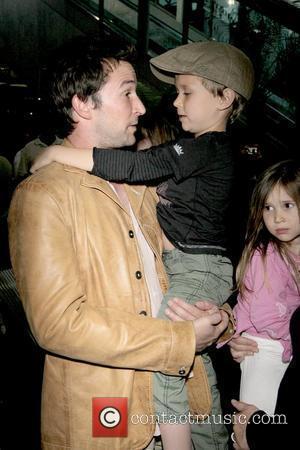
[{"x": 216, "y": 61}]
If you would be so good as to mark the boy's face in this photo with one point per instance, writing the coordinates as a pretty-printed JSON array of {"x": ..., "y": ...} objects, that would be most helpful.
[{"x": 198, "y": 110}]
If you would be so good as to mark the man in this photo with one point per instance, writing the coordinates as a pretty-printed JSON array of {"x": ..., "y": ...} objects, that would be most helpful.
[{"x": 87, "y": 260}]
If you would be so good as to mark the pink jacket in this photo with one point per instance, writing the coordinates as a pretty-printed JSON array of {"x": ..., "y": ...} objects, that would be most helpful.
[{"x": 266, "y": 309}]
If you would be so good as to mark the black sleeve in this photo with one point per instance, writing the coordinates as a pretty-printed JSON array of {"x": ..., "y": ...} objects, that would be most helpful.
[
  {"x": 265, "y": 432},
  {"x": 180, "y": 160},
  {"x": 134, "y": 167}
]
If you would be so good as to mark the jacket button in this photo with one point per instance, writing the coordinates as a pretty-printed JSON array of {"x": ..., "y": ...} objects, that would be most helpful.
[
  {"x": 138, "y": 274},
  {"x": 182, "y": 371},
  {"x": 131, "y": 234},
  {"x": 143, "y": 313}
]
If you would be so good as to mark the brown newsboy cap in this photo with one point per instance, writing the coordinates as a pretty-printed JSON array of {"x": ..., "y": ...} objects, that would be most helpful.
[{"x": 216, "y": 61}]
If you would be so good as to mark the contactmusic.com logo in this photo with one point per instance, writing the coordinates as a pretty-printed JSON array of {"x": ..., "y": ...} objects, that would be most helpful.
[{"x": 110, "y": 416}]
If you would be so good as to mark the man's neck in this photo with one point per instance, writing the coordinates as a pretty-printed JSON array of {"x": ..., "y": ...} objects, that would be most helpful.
[{"x": 80, "y": 140}]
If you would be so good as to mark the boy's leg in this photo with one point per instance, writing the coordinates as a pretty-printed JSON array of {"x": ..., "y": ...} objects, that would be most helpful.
[
  {"x": 172, "y": 408},
  {"x": 176, "y": 437},
  {"x": 206, "y": 277},
  {"x": 170, "y": 394},
  {"x": 212, "y": 434}
]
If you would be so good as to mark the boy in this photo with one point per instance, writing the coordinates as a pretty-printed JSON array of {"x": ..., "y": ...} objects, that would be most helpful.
[{"x": 213, "y": 81}]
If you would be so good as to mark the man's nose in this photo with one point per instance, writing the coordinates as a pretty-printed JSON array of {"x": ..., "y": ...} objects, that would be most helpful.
[{"x": 139, "y": 107}]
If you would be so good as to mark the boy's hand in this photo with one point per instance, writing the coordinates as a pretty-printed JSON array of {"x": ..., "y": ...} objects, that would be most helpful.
[
  {"x": 76, "y": 157},
  {"x": 44, "y": 158}
]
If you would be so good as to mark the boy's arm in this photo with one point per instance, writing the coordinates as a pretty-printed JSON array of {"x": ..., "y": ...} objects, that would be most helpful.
[
  {"x": 135, "y": 167},
  {"x": 77, "y": 157},
  {"x": 115, "y": 164},
  {"x": 179, "y": 160}
]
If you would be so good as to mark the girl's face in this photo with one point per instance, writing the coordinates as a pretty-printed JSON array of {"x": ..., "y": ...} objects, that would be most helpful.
[{"x": 281, "y": 216}]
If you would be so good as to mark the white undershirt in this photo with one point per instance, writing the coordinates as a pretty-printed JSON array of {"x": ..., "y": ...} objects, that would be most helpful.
[{"x": 145, "y": 253}]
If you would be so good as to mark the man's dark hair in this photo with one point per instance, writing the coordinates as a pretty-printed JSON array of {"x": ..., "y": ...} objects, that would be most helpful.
[{"x": 79, "y": 70}]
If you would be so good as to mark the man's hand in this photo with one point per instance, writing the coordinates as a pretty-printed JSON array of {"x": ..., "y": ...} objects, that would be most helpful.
[
  {"x": 241, "y": 346},
  {"x": 181, "y": 310},
  {"x": 240, "y": 421},
  {"x": 209, "y": 327},
  {"x": 209, "y": 321}
]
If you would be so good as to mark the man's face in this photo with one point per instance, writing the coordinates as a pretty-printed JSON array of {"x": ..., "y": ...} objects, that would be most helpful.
[{"x": 115, "y": 119}]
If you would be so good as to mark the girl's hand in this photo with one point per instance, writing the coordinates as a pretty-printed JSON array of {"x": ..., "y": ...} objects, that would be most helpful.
[
  {"x": 46, "y": 157},
  {"x": 241, "y": 346}
]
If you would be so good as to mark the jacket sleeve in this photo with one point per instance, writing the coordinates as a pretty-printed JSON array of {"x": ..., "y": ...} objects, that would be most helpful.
[
  {"x": 229, "y": 331},
  {"x": 60, "y": 315}
]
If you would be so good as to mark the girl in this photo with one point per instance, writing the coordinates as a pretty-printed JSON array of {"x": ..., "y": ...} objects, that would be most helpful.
[{"x": 268, "y": 282}]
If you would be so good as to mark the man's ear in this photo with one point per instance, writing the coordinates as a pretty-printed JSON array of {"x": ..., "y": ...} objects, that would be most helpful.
[
  {"x": 226, "y": 100},
  {"x": 81, "y": 108}
]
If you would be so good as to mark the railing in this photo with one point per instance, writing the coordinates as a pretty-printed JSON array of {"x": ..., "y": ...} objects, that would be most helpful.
[{"x": 268, "y": 30}]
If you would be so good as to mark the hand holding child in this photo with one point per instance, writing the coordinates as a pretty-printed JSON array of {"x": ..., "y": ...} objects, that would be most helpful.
[
  {"x": 181, "y": 310},
  {"x": 209, "y": 321}
]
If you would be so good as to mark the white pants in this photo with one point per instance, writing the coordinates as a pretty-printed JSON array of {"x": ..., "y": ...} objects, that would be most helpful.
[{"x": 262, "y": 374}]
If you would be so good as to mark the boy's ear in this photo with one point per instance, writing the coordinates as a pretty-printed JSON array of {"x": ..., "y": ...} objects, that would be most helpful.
[
  {"x": 81, "y": 108},
  {"x": 226, "y": 100}
]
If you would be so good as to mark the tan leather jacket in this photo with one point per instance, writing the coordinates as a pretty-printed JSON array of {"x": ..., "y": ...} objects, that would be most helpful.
[{"x": 77, "y": 269}]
